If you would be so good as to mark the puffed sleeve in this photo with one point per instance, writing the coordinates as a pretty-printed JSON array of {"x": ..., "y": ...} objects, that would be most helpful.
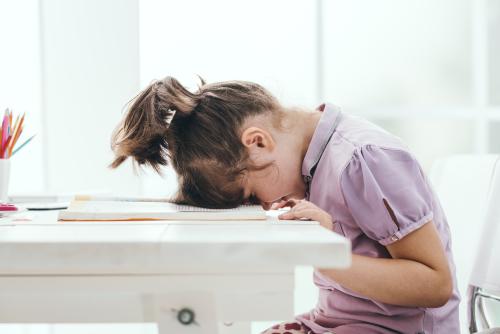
[{"x": 386, "y": 192}]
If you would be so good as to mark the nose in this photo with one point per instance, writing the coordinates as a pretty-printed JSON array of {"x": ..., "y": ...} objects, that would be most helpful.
[{"x": 266, "y": 205}]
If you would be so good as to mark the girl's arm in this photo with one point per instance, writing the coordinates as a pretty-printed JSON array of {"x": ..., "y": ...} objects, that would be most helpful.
[{"x": 418, "y": 275}]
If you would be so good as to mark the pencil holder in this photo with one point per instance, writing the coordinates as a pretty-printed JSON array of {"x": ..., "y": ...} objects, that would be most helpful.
[{"x": 4, "y": 179}]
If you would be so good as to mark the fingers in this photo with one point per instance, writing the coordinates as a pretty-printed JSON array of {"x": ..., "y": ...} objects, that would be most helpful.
[
  {"x": 306, "y": 210},
  {"x": 285, "y": 203},
  {"x": 278, "y": 205},
  {"x": 293, "y": 215},
  {"x": 299, "y": 211},
  {"x": 287, "y": 216}
]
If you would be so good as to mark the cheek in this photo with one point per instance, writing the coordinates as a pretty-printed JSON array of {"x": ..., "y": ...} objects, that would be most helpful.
[
  {"x": 269, "y": 191},
  {"x": 271, "y": 184}
]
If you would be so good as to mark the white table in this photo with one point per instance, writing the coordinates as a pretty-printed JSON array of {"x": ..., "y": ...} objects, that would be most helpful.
[{"x": 226, "y": 273}]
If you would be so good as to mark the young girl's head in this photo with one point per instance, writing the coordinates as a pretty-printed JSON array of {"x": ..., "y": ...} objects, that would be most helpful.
[{"x": 225, "y": 142}]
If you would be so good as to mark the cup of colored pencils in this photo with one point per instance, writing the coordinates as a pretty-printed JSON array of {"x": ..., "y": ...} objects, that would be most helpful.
[{"x": 10, "y": 132}]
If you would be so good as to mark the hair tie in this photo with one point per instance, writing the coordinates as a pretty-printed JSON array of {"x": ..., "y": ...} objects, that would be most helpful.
[{"x": 170, "y": 116}]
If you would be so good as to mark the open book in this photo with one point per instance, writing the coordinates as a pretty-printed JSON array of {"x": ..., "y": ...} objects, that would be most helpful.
[{"x": 129, "y": 210}]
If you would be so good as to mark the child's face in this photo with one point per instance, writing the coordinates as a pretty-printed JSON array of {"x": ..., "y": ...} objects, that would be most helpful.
[
  {"x": 275, "y": 182},
  {"x": 282, "y": 178},
  {"x": 282, "y": 150}
]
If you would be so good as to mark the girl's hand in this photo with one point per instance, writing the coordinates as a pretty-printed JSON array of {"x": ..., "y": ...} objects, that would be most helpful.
[{"x": 302, "y": 209}]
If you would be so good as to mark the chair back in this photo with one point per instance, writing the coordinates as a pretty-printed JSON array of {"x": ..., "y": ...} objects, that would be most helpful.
[
  {"x": 462, "y": 183},
  {"x": 486, "y": 271}
]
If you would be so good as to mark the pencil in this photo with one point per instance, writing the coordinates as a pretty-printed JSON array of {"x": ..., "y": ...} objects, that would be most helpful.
[
  {"x": 17, "y": 133},
  {"x": 14, "y": 141},
  {"x": 22, "y": 145},
  {"x": 6, "y": 151},
  {"x": 4, "y": 134}
]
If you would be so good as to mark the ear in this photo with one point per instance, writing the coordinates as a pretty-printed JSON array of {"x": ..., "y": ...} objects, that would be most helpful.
[{"x": 257, "y": 138}]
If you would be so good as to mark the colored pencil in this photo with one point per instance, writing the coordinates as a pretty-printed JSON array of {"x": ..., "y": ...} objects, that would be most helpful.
[
  {"x": 10, "y": 134},
  {"x": 4, "y": 136},
  {"x": 22, "y": 145},
  {"x": 14, "y": 140}
]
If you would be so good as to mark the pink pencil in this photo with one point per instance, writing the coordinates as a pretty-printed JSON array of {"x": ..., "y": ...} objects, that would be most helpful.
[{"x": 4, "y": 133}]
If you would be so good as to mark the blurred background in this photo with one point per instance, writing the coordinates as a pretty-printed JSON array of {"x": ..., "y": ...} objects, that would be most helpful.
[{"x": 426, "y": 70}]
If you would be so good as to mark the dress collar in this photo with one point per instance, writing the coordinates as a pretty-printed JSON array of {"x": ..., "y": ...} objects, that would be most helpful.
[{"x": 322, "y": 134}]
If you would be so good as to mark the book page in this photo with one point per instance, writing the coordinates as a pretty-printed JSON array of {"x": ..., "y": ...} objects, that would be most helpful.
[
  {"x": 124, "y": 207},
  {"x": 119, "y": 210},
  {"x": 242, "y": 208}
]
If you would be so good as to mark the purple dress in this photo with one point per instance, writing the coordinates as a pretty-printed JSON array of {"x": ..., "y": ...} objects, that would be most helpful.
[{"x": 376, "y": 193}]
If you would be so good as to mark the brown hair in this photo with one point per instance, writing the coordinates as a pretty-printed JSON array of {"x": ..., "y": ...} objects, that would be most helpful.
[{"x": 198, "y": 133}]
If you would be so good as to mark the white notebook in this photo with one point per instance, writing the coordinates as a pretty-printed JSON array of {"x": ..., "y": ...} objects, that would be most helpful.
[{"x": 127, "y": 210}]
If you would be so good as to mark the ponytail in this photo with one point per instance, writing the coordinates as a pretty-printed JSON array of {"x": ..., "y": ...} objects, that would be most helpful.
[{"x": 142, "y": 134}]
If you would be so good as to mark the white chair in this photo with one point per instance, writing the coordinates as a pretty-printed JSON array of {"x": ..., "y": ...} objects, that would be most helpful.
[
  {"x": 485, "y": 276},
  {"x": 462, "y": 183}
]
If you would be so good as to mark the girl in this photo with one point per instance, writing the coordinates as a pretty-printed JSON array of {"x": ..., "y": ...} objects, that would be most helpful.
[{"x": 233, "y": 142}]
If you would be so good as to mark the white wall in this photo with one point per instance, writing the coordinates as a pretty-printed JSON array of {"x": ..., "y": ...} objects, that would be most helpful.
[
  {"x": 494, "y": 46},
  {"x": 390, "y": 53},
  {"x": 90, "y": 69},
  {"x": 270, "y": 42},
  {"x": 20, "y": 87}
]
